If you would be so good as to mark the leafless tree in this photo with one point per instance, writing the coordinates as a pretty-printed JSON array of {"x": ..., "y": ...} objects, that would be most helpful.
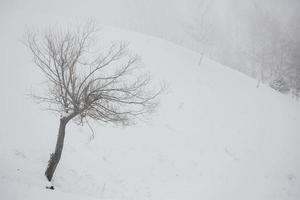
[
  {"x": 202, "y": 30},
  {"x": 263, "y": 52},
  {"x": 84, "y": 84}
]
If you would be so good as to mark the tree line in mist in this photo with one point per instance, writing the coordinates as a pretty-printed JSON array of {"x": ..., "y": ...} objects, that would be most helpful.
[{"x": 257, "y": 43}]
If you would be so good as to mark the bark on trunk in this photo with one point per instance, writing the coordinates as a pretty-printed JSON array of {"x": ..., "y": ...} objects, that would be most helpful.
[{"x": 55, "y": 157}]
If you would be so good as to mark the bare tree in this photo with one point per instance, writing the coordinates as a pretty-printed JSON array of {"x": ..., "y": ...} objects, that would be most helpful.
[
  {"x": 202, "y": 30},
  {"x": 263, "y": 51},
  {"x": 86, "y": 84}
]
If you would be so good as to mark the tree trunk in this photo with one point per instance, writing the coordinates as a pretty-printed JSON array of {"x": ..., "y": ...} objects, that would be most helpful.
[{"x": 55, "y": 157}]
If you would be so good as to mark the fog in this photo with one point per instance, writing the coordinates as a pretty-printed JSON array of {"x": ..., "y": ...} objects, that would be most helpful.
[
  {"x": 218, "y": 133},
  {"x": 235, "y": 33}
]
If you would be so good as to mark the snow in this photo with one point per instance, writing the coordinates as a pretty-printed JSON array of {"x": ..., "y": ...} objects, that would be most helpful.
[{"x": 215, "y": 136}]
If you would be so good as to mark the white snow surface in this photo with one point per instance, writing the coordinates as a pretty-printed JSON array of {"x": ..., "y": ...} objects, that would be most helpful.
[{"x": 215, "y": 136}]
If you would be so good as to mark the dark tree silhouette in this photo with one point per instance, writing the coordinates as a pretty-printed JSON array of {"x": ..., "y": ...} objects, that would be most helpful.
[{"x": 83, "y": 83}]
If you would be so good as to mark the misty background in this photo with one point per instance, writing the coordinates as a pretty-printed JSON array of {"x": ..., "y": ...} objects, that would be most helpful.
[{"x": 258, "y": 38}]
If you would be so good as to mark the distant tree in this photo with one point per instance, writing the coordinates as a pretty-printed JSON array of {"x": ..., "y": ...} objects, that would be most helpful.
[
  {"x": 293, "y": 64},
  {"x": 261, "y": 42},
  {"x": 201, "y": 29},
  {"x": 266, "y": 46},
  {"x": 82, "y": 83}
]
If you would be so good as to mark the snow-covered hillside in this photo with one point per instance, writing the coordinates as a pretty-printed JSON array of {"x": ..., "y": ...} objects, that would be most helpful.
[{"x": 215, "y": 136}]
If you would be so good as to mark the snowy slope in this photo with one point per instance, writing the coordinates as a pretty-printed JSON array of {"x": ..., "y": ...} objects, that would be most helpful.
[{"x": 215, "y": 136}]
